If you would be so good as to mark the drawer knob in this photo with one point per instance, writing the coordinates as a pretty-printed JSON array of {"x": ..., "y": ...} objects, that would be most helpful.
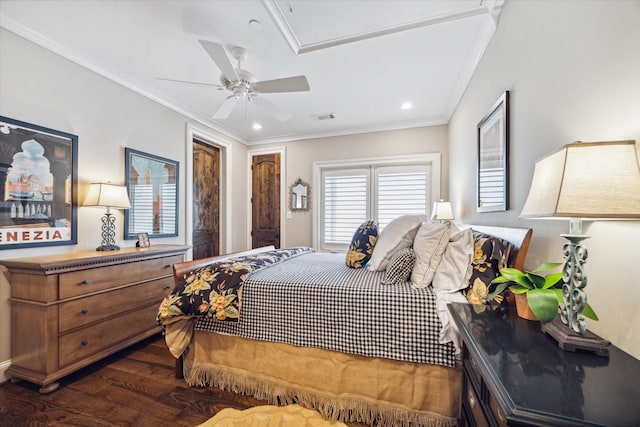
[
  {"x": 472, "y": 400},
  {"x": 500, "y": 415},
  {"x": 84, "y": 343},
  {"x": 168, "y": 266},
  {"x": 84, "y": 282},
  {"x": 84, "y": 311}
]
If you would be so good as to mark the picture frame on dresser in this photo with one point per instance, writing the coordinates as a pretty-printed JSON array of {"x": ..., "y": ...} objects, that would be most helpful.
[
  {"x": 38, "y": 185},
  {"x": 493, "y": 158},
  {"x": 143, "y": 240},
  {"x": 152, "y": 184}
]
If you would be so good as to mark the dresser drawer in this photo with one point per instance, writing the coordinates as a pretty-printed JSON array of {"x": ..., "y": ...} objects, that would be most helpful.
[
  {"x": 472, "y": 368},
  {"x": 78, "y": 283},
  {"x": 100, "y": 337},
  {"x": 474, "y": 405},
  {"x": 80, "y": 312}
]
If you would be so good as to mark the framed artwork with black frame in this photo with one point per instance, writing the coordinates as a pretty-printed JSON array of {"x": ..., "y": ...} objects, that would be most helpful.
[
  {"x": 38, "y": 185},
  {"x": 152, "y": 183},
  {"x": 493, "y": 158}
]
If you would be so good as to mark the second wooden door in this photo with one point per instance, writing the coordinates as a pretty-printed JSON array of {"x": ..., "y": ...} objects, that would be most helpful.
[{"x": 265, "y": 200}]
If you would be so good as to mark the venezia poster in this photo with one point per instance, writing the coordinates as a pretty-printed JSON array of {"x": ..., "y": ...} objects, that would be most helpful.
[{"x": 38, "y": 185}]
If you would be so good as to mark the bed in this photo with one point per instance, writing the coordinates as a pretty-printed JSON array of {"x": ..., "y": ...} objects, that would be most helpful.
[{"x": 330, "y": 340}]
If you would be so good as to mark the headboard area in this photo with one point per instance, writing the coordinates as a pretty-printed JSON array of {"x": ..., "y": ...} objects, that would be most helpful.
[{"x": 518, "y": 237}]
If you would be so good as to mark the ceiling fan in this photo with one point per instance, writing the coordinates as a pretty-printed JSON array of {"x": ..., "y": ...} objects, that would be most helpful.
[{"x": 243, "y": 85}]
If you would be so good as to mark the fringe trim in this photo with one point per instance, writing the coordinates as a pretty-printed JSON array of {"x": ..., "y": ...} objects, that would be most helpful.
[{"x": 331, "y": 407}]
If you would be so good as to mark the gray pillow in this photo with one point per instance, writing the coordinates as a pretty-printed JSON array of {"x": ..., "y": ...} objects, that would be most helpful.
[{"x": 400, "y": 267}]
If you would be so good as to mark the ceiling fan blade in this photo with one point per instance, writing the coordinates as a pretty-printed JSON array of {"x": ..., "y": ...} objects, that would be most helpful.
[
  {"x": 277, "y": 112},
  {"x": 190, "y": 82},
  {"x": 287, "y": 84},
  {"x": 226, "y": 108},
  {"x": 218, "y": 53}
]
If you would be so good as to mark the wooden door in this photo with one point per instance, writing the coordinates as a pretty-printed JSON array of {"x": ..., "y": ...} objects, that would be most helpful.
[
  {"x": 265, "y": 200},
  {"x": 206, "y": 200}
]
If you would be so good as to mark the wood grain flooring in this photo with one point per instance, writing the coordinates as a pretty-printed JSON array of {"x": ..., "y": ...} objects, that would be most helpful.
[{"x": 135, "y": 387}]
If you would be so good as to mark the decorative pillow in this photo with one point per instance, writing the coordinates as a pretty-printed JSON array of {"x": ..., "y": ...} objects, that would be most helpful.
[
  {"x": 398, "y": 234},
  {"x": 490, "y": 254},
  {"x": 362, "y": 244},
  {"x": 429, "y": 244},
  {"x": 399, "y": 267},
  {"x": 454, "y": 270}
]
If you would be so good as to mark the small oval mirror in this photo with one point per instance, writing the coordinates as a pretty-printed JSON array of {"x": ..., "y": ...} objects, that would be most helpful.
[{"x": 299, "y": 196}]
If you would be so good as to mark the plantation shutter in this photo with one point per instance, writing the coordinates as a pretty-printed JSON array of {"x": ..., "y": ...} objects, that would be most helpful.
[
  {"x": 344, "y": 204},
  {"x": 351, "y": 196},
  {"x": 401, "y": 190}
]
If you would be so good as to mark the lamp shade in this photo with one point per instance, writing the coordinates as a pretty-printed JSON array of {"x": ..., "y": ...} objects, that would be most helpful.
[
  {"x": 442, "y": 211},
  {"x": 586, "y": 180},
  {"x": 108, "y": 195}
]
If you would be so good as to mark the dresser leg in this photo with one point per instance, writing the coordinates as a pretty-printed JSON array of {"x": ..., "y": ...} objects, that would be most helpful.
[{"x": 49, "y": 388}]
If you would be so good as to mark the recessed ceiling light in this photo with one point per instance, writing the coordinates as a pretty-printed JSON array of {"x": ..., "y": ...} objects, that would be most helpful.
[
  {"x": 256, "y": 126},
  {"x": 406, "y": 106}
]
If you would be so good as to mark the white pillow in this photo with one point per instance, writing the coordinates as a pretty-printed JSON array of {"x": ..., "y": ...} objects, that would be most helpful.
[
  {"x": 429, "y": 244},
  {"x": 398, "y": 234},
  {"x": 454, "y": 270}
]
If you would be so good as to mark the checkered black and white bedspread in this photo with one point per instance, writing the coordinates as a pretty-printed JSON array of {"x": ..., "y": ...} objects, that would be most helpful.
[{"x": 315, "y": 300}]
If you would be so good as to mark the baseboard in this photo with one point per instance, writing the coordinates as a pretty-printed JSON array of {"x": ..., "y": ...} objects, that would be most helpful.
[{"x": 3, "y": 368}]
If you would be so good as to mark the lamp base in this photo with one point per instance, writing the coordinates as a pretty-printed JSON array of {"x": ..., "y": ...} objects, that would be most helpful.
[
  {"x": 108, "y": 248},
  {"x": 568, "y": 340}
]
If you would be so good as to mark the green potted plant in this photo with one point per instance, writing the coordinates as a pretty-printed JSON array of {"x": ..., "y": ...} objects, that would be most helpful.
[{"x": 542, "y": 294}]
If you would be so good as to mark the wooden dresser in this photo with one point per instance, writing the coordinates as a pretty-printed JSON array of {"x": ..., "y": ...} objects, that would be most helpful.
[
  {"x": 70, "y": 310},
  {"x": 515, "y": 375}
]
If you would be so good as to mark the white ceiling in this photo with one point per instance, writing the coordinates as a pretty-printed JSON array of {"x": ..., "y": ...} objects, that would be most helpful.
[{"x": 362, "y": 58}]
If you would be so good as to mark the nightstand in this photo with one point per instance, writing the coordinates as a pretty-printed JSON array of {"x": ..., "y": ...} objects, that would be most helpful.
[{"x": 515, "y": 375}]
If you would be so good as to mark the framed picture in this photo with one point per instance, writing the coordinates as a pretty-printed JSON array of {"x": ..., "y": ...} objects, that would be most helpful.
[
  {"x": 38, "y": 185},
  {"x": 152, "y": 182},
  {"x": 143, "y": 240},
  {"x": 493, "y": 159}
]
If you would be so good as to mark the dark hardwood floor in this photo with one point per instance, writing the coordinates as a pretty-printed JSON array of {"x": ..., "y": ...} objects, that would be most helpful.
[{"x": 135, "y": 387}]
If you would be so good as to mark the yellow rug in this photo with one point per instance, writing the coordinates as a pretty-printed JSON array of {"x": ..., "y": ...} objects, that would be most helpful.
[{"x": 270, "y": 416}]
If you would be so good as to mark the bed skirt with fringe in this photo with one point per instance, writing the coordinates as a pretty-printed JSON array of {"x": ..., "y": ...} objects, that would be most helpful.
[{"x": 350, "y": 388}]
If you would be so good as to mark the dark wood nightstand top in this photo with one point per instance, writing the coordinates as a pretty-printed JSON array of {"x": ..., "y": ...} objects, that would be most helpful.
[{"x": 533, "y": 380}]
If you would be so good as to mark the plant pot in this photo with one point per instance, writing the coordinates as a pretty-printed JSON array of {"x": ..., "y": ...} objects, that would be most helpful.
[{"x": 522, "y": 307}]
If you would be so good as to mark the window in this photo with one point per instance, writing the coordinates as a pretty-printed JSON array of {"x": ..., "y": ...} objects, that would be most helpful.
[{"x": 380, "y": 189}]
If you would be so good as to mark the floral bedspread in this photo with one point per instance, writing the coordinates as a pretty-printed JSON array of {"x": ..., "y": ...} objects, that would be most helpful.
[{"x": 215, "y": 290}]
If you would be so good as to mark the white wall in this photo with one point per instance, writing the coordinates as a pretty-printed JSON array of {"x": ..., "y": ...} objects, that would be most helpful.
[
  {"x": 39, "y": 87},
  {"x": 300, "y": 156},
  {"x": 573, "y": 69}
]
